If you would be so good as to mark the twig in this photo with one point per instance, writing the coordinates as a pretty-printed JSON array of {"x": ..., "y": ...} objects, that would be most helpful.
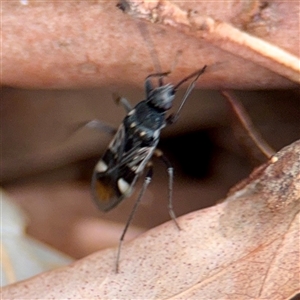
[{"x": 248, "y": 125}]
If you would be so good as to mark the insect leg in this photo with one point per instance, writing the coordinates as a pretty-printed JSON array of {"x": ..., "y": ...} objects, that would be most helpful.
[
  {"x": 95, "y": 124},
  {"x": 173, "y": 117},
  {"x": 99, "y": 125},
  {"x": 147, "y": 180},
  {"x": 148, "y": 84},
  {"x": 121, "y": 100},
  {"x": 158, "y": 153}
]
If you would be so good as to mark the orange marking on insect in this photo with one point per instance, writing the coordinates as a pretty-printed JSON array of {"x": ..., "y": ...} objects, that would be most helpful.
[{"x": 103, "y": 191}]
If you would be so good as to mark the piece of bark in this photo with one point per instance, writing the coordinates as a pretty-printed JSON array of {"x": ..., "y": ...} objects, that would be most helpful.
[
  {"x": 246, "y": 247},
  {"x": 50, "y": 44}
]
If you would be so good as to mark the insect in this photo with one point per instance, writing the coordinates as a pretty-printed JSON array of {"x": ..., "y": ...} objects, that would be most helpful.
[{"x": 134, "y": 144}]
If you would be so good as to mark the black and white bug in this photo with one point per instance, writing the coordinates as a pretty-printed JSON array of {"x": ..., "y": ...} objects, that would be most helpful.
[{"x": 134, "y": 144}]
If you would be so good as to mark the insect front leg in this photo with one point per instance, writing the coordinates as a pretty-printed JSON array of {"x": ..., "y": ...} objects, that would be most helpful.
[
  {"x": 123, "y": 101},
  {"x": 147, "y": 180},
  {"x": 174, "y": 117},
  {"x": 159, "y": 154}
]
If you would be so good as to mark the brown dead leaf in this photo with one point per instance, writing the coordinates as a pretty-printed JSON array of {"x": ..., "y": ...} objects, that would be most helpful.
[
  {"x": 247, "y": 247},
  {"x": 50, "y": 44},
  {"x": 220, "y": 34}
]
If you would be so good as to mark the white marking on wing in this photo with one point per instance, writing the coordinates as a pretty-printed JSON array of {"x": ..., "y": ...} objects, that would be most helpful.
[
  {"x": 124, "y": 186},
  {"x": 101, "y": 166}
]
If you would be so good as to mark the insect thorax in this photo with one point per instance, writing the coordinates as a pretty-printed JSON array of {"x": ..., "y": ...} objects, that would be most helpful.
[{"x": 144, "y": 124}]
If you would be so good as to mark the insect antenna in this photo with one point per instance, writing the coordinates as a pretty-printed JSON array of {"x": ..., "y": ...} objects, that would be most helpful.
[
  {"x": 152, "y": 50},
  {"x": 198, "y": 73},
  {"x": 160, "y": 75},
  {"x": 153, "y": 53}
]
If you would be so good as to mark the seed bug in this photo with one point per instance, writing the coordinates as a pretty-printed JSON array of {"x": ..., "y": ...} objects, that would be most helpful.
[{"x": 134, "y": 144}]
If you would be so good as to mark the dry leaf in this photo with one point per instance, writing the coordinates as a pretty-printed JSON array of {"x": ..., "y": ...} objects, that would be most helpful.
[
  {"x": 50, "y": 44},
  {"x": 220, "y": 34},
  {"x": 246, "y": 247}
]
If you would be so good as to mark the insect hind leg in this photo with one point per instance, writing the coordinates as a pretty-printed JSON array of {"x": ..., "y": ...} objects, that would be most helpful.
[
  {"x": 147, "y": 180},
  {"x": 96, "y": 124},
  {"x": 159, "y": 154},
  {"x": 99, "y": 125}
]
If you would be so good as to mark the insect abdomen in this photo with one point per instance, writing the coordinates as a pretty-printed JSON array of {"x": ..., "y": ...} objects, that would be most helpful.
[{"x": 111, "y": 184}]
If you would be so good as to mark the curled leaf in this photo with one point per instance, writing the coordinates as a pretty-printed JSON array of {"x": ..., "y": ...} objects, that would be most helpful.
[
  {"x": 246, "y": 247},
  {"x": 92, "y": 43}
]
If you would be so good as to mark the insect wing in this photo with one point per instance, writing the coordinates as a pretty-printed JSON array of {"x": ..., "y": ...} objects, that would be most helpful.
[
  {"x": 104, "y": 188},
  {"x": 117, "y": 171}
]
